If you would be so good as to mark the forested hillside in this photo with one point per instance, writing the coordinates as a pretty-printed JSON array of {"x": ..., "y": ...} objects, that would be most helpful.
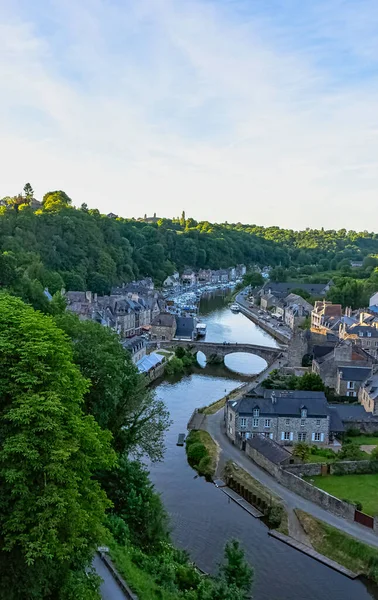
[{"x": 59, "y": 246}]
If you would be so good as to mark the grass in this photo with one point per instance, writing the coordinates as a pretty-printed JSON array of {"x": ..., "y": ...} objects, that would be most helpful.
[
  {"x": 355, "y": 488},
  {"x": 141, "y": 582},
  {"x": 164, "y": 353},
  {"x": 202, "y": 453},
  {"x": 317, "y": 458},
  {"x": 364, "y": 440},
  {"x": 340, "y": 547},
  {"x": 259, "y": 489},
  {"x": 213, "y": 407}
]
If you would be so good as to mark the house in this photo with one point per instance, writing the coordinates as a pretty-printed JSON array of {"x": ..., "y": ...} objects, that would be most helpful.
[
  {"x": 204, "y": 276},
  {"x": 349, "y": 379},
  {"x": 163, "y": 327},
  {"x": 151, "y": 365},
  {"x": 231, "y": 273},
  {"x": 262, "y": 450},
  {"x": 323, "y": 314},
  {"x": 241, "y": 270},
  {"x": 361, "y": 334},
  {"x": 268, "y": 301},
  {"x": 112, "y": 216},
  {"x": 296, "y": 310},
  {"x": 137, "y": 348},
  {"x": 81, "y": 303},
  {"x": 354, "y": 416},
  {"x": 373, "y": 300},
  {"x": 149, "y": 220},
  {"x": 332, "y": 356},
  {"x": 219, "y": 276},
  {"x": 185, "y": 328},
  {"x": 172, "y": 281},
  {"x": 189, "y": 277},
  {"x": 356, "y": 264},
  {"x": 285, "y": 416},
  {"x": 368, "y": 394},
  {"x": 281, "y": 290}
]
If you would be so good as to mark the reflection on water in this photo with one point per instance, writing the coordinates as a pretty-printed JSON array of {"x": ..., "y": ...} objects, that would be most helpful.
[
  {"x": 203, "y": 518},
  {"x": 246, "y": 364}
]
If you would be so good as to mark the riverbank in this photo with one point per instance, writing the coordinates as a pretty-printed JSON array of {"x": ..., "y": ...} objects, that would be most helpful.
[{"x": 252, "y": 314}]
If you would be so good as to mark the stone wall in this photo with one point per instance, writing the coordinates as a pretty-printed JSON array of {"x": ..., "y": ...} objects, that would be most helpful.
[
  {"x": 262, "y": 461},
  {"x": 306, "y": 470},
  {"x": 350, "y": 467},
  {"x": 364, "y": 426},
  {"x": 298, "y": 347}
]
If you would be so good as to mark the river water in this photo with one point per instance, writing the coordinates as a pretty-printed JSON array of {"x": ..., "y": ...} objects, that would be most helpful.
[{"x": 202, "y": 516}]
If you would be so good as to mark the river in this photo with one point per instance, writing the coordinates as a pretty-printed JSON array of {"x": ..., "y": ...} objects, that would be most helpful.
[{"x": 202, "y": 516}]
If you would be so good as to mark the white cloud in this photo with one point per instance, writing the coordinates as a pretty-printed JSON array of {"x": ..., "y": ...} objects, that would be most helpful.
[{"x": 159, "y": 106}]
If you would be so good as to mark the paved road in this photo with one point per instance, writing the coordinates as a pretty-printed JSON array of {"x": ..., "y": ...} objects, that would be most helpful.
[
  {"x": 272, "y": 325},
  {"x": 214, "y": 425},
  {"x": 109, "y": 589}
]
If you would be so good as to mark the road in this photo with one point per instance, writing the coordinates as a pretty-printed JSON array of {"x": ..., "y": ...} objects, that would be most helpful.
[
  {"x": 214, "y": 425},
  {"x": 273, "y": 324},
  {"x": 109, "y": 589}
]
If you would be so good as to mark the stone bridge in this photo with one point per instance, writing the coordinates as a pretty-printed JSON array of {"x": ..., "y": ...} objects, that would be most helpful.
[{"x": 215, "y": 352}]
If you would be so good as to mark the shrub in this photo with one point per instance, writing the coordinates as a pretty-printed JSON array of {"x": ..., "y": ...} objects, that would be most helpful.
[
  {"x": 204, "y": 466},
  {"x": 275, "y": 514},
  {"x": 196, "y": 452},
  {"x": 353, "y": 432}
]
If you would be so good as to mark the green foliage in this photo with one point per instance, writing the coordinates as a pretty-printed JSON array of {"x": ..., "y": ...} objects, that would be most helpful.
[
  {"x": 117, "y": 396},
  {"x": 201, "y": 452},
  {"x": 254, "y": 279},
  {"x": 308, "y": 381},
  {"x": 302, "y": 450},
  {"x": 137, "y": 504},
  {"x": 196, "y": 452},
  {"x": 236, "y": 571},
  {"x": 350, "y": 452},
  {"x": 51, "y": 508}
]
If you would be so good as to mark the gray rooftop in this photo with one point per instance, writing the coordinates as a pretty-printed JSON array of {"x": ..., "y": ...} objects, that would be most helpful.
[
  {"x": 163, "y": 320},
  {"x": 354, "y": 373},
  {"x": 268, "y": 448},
  {"x": 350, "y": 412},
  {"x": 284, "y": 403},
  {"x": 185, "y": 327}
]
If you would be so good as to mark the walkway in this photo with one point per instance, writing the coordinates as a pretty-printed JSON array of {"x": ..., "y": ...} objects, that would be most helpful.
[
  {"x": 109, "y": 589},
  {"x": 214, "y": 425}
]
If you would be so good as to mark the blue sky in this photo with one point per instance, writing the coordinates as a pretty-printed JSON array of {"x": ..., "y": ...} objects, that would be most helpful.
[{"x": 255, "y": 111}]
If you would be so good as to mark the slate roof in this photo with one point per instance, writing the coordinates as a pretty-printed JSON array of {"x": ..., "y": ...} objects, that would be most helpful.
[
  {"x": 185, "y": 327},
  {"x": 287, "y": 403},
  {"x": 322, "y": 350},
  {"x": 354, "y": 373},
  {"x": 163, "y": 320},
  {"x": 283, "y": 289},
  {"x": 363, "y": 330},
  {"x": 268, "y": 448},
  {"x": 335, "y": 425},
  {"x": 350, "y": 412},
  {"x": 134, "y": 344}
]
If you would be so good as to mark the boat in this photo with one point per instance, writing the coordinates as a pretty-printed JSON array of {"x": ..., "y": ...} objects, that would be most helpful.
[
  {"x": 201, "y": 329},
  {"x": 234, "y": 308}
]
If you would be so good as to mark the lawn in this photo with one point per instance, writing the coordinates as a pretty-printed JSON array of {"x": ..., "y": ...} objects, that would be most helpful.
[
  {"x": 364, "y": 440},
  {"x": 355, "y": 488},
  {"x": 317, "y": 458}
]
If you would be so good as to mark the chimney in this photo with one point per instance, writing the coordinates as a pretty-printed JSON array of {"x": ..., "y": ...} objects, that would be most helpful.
[
  {"x": 273, "y": 396},
  {"x": 361, "y": 318}
]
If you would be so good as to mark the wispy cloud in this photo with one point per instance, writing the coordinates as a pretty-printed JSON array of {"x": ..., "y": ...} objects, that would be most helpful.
[{"x": 228, "y": 112}]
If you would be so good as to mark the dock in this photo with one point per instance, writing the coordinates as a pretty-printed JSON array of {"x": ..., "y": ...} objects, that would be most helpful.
[
  {"x": 196, "y": 420},
  {"x": 180, "y": 439},
  {"x": 254, "y": 512},
  {"x": 313, "y": 554}
]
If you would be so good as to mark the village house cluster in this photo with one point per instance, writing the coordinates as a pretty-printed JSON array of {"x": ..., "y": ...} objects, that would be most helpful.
[{"x": 189, "y": 277}]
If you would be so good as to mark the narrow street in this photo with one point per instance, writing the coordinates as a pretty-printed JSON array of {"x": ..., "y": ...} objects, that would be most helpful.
[
  {"x": 109, "y": 589},
  {"x": 214, "y": 425}
]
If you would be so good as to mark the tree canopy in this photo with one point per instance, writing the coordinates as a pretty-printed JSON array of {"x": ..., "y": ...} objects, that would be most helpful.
[{"x": 51, "y": 508}]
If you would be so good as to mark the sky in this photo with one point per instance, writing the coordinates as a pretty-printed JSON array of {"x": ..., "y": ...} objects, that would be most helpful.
[{"x": 258, "y": 111}]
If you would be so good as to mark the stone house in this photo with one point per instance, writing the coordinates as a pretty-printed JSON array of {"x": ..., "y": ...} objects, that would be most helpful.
[
  {"x": 368, "y": 394},
  {"x": 296, "y": 310},
  {"x": 268, "y": 301},
  {"x": 172, "y": 281},
  {"x": 163, "y": 327},
  {"x": 327, "y": 359},
  {"x": 189, "y": 277},
  {"x": 282, "y": 290},
  {"x": 137, "y": 348},
  {"x": 350, "y": 379},
  {"x": 285, "y": 416},
  {"x": 241, "y": 270},
  {"x": 204, "y": 276},
  {"x": 321, "y": 314},
  {"x": 263, "y": 450},
  {"x": 231, "y": 273},
  {"x": 219, "y": 276},
  {"x": 361, "y": 334},
  {"x": 373, "y": 300}
]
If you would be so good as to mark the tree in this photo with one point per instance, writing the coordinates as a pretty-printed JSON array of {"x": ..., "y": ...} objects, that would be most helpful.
[
  {"x": 29, "y": 192},
  {"x": 310, "y": 381},
  {"x": 51, "y": 508},
  {"x": 350, "y": 452},
  {"x": 136, "y": 503},
  {"x": 302, "y": 450},
  {"x": 56, "y": 200},
  {"x": 118, "y": 397},
  {"x": 237, "y": 572},
  {"x": 254, "y": 279}
]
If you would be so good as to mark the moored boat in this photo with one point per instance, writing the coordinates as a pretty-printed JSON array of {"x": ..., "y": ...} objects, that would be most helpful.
[{"x": 234, "y": 308}]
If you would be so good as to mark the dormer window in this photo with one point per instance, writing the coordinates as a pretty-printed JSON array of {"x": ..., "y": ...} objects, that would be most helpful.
[
  {"x": 303, "y": 413},
  {"x": 256, "y": 412},
  {"x": 361, "y": 333},
  {"x": 369, "y": 334}
]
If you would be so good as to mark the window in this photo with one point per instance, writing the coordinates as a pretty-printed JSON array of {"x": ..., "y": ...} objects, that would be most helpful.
[
  {"x": 271, "y": 436},
  {"x": 317, "y": 437},
  {"x": 304, "y": 413},
  {"x": 230, "y": 429},
  {"x": 302, "y": 437},
  {"x": 243, "y": 422},
  {"x": 353, "y": 394},
  {"x": 256, "y": 412},
  {"x": 350, "y": 385},
  {"x": 361, "y": 333},
  {"x": 303, "y": 422},
  {"x": 267, "y": 423},
  {"x": 287, "y": 421},
  {"x": 163, "y": 337},
  {"x": 255, "y": 422},
  {"x": 287, "y": 435},
  {"x": 318, "y": 422},
  {"x": 230, "y": 417},
  {"x": 369, "y": 334}
]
